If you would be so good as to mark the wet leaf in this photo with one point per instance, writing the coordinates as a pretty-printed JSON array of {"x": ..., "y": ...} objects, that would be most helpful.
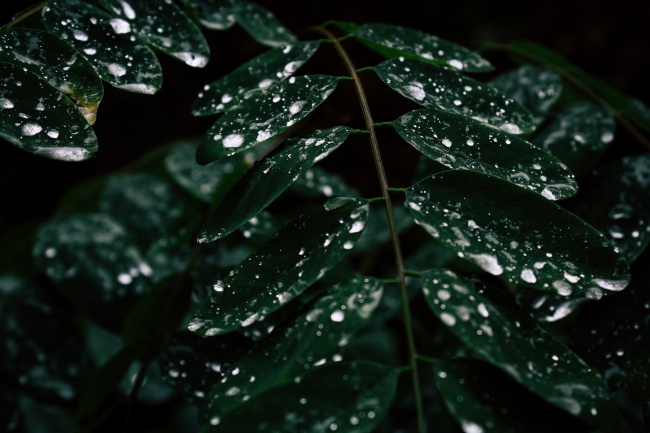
[
  {"x": 107, "y": 43},
  {"x": 213, "y": 14},
  {"x": 261, "y": 24},
  {"x": 266, "y": 180},
  {"x": 447, "y": 90},
  {"x": 338, "y": 397},
  {"x": 34, "y": 116},
  {"x": 549, "y": 307},
  {"x": 318, "y": 182},
  {"x": 377, "y": 230},
  {"x": 260, "y": 72},
  {"x": 294, "y": 347},
  {"x": 461, "y": 143},
  {"x": 263, "y": 114},
  {"x": 493, "y": 325},
  {"x": 56, "y": 62},
  {"x": 516, "y": 234},
  {"x": 261, "y": 227},
  {"x": 394, "y": 41},
  {"x": 578, "y": 136},
  {"x": 163, "y": 25},
  {"x": 281, "y": 269}
]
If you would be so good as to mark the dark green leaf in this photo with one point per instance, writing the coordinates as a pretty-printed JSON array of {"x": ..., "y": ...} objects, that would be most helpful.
[
  {"x": 261, "y": 24},
  {"x": 377, "y": 230},
  {"x": 394, "y": 41},
  {"x": 40, "y": 417},
  {"x": 266, "y": 180},
  {"x": 261, "y": 227},
  {"x": 56, "y": 62},
  {"x": 262, "y": 114},
  {"x": 318, "y": 182},
  {"x": 296, "y": 346},
  {"x": 258, "y": 73},
  {"x": 282, "y": 268},
  {"x": 163, "y": 25},
  {"x": 107, "y": 43},
  {"x": 35, "y": 117},
  {"x": 461, "y": 143},
  {"x": 516, "y": 234},
  {"x": 213, "y": 14},
  {"x": 493, "y": 325},
  {"x": 549, "y": 307},
  {"x": 338, "y": 397},
  {"x": 447, "y": 90}
]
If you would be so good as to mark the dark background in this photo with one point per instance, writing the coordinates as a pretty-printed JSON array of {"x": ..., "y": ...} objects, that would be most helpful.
[{"x": 609, "y": 39}]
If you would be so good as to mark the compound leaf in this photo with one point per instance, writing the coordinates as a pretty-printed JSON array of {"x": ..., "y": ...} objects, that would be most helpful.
[{"x": 261, "y": 24}]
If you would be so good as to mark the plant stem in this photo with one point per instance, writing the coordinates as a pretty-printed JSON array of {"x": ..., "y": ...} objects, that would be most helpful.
[{"x": 385, "y": 189}]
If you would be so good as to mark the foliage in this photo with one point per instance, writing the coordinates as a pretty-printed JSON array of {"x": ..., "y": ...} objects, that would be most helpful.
[{"x": 242, "y": 279}]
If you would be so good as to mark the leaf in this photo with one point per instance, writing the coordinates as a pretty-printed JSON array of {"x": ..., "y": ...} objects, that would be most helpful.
[
  {"x": 103, "y": 39},
  {"x": 493, "y": 326},
  {"x": 394, "y": 41},
  {"x": 36, "y": 118},
  {"x": 578, "y": 136},
  {"x": 338, "y": 397},
  {"x": 260, "y": 72},
  {"x": 318, "y": 182},
  {"x": 266, "y": 180},
  {"x": 447, "y": 90},
  {"x": 213, "y": 14},
  {"x": 261, "y": 24},
  {"x": 161, "y": 24},
  {"x": 261, "y": 227},
  {"x": 56, "y": 62},
  {"x": 460, "y": 143},
  {"x": 262, "y": 114},
  {"x": 281, "y": 269},
  {"x": 516, "y": 234},
  {"x": 549, "y": 307},
  {"x": 296, "y": 346}
]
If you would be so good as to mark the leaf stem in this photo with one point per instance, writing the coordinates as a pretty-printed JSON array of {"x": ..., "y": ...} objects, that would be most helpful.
[
  {"x": 400, "y": 190},
  {"x": 427, "y": 359},
  {"x": 385, "y": 189},
  {"x": 383, "y": 124}
]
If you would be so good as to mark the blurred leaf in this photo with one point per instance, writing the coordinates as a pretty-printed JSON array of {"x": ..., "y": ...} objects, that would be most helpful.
[
  {"x": 43, "y": 418},
  {"x": 394, "y": 41},
  {"x": 260, "y": 72},
  {"x": 261, "y": 24},
  {"x": 461, "y": 143},
  {"x": 338, "y": 397},
  {"x": 281, "y": 269},
  {"x": 493, "y": 325},
  {"x": 213, "y": 14},
  {"x": 36, "y": 118},
  {"x": 377, "y": 230},
  {"x": 319, "y": 182},
  {"x": 447, "y": 90},
  {"x": 262, "y": 114},
  {"x": 267, "y": 179},
  {"x": 163, "y": 25},
  {"x": 101, "y": 39},
  {"x": 516, "y": 234},
  {"x": 56, "y": 62}
]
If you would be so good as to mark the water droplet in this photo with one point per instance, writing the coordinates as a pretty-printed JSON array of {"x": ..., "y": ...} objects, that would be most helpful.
[
  {"x": 233, "y": 140},
  {"x": 120, "y": 26},
  {"x": 30, "y": 129},
  {"x": 337, "y": 316},
  {"x": 130, "y": 14},
  {"x": 448, "y": 319}
]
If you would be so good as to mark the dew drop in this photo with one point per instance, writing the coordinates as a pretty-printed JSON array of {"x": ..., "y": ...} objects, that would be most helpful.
[{"x": 337, "y": 316}]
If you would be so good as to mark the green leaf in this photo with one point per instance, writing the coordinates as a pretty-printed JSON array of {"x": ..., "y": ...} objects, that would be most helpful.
[
  {"x": 35, "y": 117},
  {"x": 318, "y": 182},
  {"x": 578, "y": 136},
  {"x": 549, "y": 307},
  {"x": 263, "y": 114},
  {"x": 282, "y": 268},
  {"x": 296, "y": 346},
  {"x": 534, "y": 87},
  {"x": 261, "y": 24},
  {"x": 447, "y": 90},
  {"x": 213, "y": 14},
  {"x": 266, "y": 180},
  {"x": 493, "y": 326},
  {"x": 338, "y": 397},
  {"x": 460, "y": 143},
  {"x": 394, "y": 41},
  {"x": 161, "y": 24},
  {"x": 104, "y": 41},
  {"x": 516, "y": 234},
  {"x": 260, "y": 72},
  {"x": 56, "y": 62}
]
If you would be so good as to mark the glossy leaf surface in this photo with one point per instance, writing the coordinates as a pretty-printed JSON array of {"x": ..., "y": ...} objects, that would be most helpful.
[
  {"x": 447, "y": 90},
  {"x": 461, "y": 143},
  {"x": 338, "y": 397},
  {"x": 282, "y": 268},
  {"x": 492, "y": 325},
  {"x": 516, "y": 234},
  {"x": 261, "y": 24},
  {"x": 258, "y": 73},
  {"x": 107, "y": 43},
  {"x": 161, "y": 24},
  {"x": 294, "y": 347},
  {"x": 265, "y": 181},
  {"x": 262, "y": 114},
  {"x": 36, "y": 117},
  {"x": 394, "y": 41},
  {"x": 318, "y": 182},
  {"x": 213, "y": 14},
  {"x": 56, "y": 62}
]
